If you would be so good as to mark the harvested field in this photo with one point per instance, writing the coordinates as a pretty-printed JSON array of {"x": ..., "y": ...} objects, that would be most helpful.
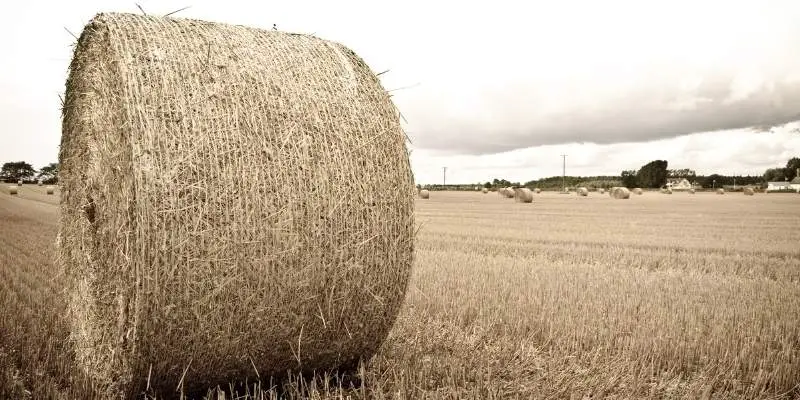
[{"x": 655, "y": 297}]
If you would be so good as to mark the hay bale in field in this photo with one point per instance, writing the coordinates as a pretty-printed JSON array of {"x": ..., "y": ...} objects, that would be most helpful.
[
  {"x": 621, "y": 193},
  {"x": 19, "y": 182},
  {"x": 507, "y": 192},
  {"x": 50, "y": 189},
  {"x": 638, "y": 191},
  {"x": 748, "y": 191},
  {"x": 12, "y": 190},
  {"x": 39, "y": 183},
  {"x": 233, "y": 270},
  {"x": 485, "y": 190},
  {"x": 523, "y": 195},
  {"x": 666, "y": 191},
  {"x": 424, "y": 194},
  {"x": 720, "y": 191},
  {"x": 582, "y": 191},
  {"x": 691, "y": 191},
  {"x": 537, "y": 190},
  {"x": 601, "y": 191}
]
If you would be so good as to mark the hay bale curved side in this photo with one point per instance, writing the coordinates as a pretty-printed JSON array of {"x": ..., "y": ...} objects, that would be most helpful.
[
  {"x": 666, "y": 191},
  {"x": 537, "y": 190},
  {"x": 508, "y": 192},
  {"x": 19, "y": 182},
  {"x": 601, "y": 191},
  {"x": 50, "y": 190},
  {"x": 621, "y": 193},
  {"x": 179, "y": 178},
  {"x": 523, "y": 195},
  {"x": 485, "y": 190},
  {"x": 424, "y": 194},
  {"x": 691, "y": 191},
  {"x": 12, "y": 189},
  {"x": 720, "y": 191},
  {"x": 638, "y": 191},
  {"x": 748, "y": 191},
  {"x": 582, "y": 191}
]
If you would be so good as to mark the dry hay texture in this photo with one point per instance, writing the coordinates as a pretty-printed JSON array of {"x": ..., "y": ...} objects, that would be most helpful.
[
  {"x": 691, "y": 191},
  {"x": 601, "y": 191},
  {"x": 50, "y": 189},
  {"x": 720, "y": 191},
  {"x": 186, "y": 243},
  {"x": 582, "y": 191},
  {"x": 424, "y": 194},
  {"x": 485, "y": 190},
  {"x": 12, "y": 189},
  {"x": 638, "y": 191},
  {"x": 19, "y": 182},
  {"x": 523, "y": 195},
  {"x": 665, "y": 191},
  {"x": 507, "y": 192},
  {"x": 620, "y": 193},
  {"x": 537, "y": 190},
  {"x": 748, "y": 191}
]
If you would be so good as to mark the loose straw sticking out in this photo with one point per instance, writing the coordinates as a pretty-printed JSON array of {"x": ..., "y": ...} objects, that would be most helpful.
[{"x": 142, "y": 120}]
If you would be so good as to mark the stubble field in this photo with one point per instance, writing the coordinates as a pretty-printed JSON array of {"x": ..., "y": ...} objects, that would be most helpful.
[{"x": 658, "y": 296}]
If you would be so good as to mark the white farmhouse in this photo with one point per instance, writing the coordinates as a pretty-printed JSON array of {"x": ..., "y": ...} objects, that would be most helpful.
[{"x": 679, "y": 184}]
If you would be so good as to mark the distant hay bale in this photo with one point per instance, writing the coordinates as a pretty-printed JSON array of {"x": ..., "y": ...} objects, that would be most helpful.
[
  {"x": 601, "y": 191},
  {"x": 748, "y": 191},
  {"x": 485, "y": 190},
  {"x": 621, "y": 193},
  {"x": 424, "y": 194},
  {"x": 638, "y": 191},
  {"x": 19, "y": 182},
  {"x": 720, "y": 191},
  {"x": 666, "y": 191},
  {"x": 507, "y": 192},
  {"x": 537, "y": 190},
  {"x": 691, "y": 191},
  {"x": 39, "y": 183},
  {"x": 234, "y": 272},
  {"x": 523, "y": 195},
  {"x": 12, "y": 189},
  {"x": 582, "y": 191},
  {"x": 50, "y": 189}
]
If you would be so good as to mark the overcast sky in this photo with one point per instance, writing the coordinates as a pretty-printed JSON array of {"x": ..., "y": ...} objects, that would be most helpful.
[{"x": 497, "y": 90}]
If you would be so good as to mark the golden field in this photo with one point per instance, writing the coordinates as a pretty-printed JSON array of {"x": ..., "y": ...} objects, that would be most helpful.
[{"x": 658, "y": 296}]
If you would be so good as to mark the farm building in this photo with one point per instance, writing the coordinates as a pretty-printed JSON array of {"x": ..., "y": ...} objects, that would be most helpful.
[
  {"x": 781, "y": 186},
  {"x": 679, "y": 184}
]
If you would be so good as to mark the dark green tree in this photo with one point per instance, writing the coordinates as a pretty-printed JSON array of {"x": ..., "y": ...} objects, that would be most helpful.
[
  {"x": 791, "y": 168},
  {"x": 652, "y": 174},
  {"x": 775, "y": 175},
  {"x": 487, "y": 185},
  {"x": 18, "y": 170},
  {"x": 629, "y": 178},
  {"x": 48, "y": 174}
]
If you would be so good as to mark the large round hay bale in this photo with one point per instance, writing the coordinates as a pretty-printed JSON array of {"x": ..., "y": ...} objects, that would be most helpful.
[
  {"x": 485, "y": 190},
  {"x": 638, "y": 191},
  {"x": 424, "y": 194},
  {"x": 12, "y": 189},
  {"x": 523, "y": 195},
  {"x": 50, "y": 190},
  {"x": 233, "y": 272},
  {"x": 508, "y": 192},
  {"x": 601, "y": 191},
  {"x": 691, "y": 191},
  {"x": 720, "y": 191},
  {"x": 582, "y": 191},
  {"x": 621, "y": 193},
  {"x": 748, "y": 191},
  {"x": 537, "y": 190}
]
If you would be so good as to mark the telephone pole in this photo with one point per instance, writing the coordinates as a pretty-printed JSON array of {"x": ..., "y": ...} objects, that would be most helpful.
[
  {"x": 564, "y": 173},
  {"x": 444, "y": 177}
]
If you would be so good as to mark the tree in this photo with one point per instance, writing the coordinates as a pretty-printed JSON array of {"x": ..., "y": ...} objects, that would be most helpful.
[
  {"x": 48, "y": 174},
  {"x": 487, "y": 185},
  {"x": 629, "y": 178},
  {"x": 791, "y": 168},
  {"x": 713, "y": 180},
  {"x": 18, "y": 170},
  {"x": 652, "y": 174},
  {"x": 681, "y": 173},
  {"x": 775, "y": 174}
]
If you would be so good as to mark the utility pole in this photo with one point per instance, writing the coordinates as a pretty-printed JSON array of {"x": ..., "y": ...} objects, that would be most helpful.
[
  {"x": 444, "y": 177},
  {"x": 564, "y": 173}
]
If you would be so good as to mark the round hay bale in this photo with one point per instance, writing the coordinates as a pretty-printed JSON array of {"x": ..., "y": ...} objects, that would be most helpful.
[
  {"x": 582, "y": 191},
  {"x": 50, "y": 189},
  {"x": 234, "y": 272},
  {"x": 691, "y": 191},
  {"x": 485, "y": 190},
  {"x": 508, "y": 192},
  {"x": 601, "y": 191},
  {"x": 424, "y": 194},
  {"x": 638, "y": 191},
  {"x": 720, "y": 191},
  {"x": 523, "y": 195},
  {"x": 39, "y": 183},
  {"x": 748, "y": 191},
  {"x": 12, "y": 190},
  {"x": 621, "y": 193},
  {"x": 666, "y": 191},
  {"x": 537, "y": 190},
  {"x": 19, "y": 182}
]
